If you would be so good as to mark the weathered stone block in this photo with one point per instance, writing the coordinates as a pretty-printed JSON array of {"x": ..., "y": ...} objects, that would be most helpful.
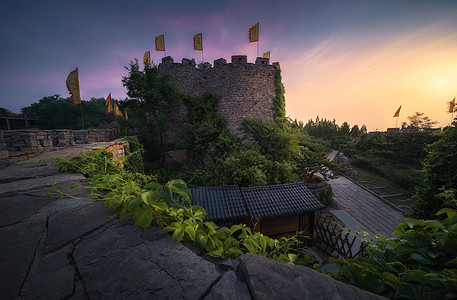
[
  {"x": 18, "y": 144},
  {"x": 270, "y": 279},
  {"x": 4, "y": 154}
]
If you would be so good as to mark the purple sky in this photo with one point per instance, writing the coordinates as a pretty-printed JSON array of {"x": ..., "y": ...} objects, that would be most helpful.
[{"x": 352, "y": 60}]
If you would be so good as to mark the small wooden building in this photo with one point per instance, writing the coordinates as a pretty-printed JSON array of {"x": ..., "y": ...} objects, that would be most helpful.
[
  {"x": 282, "y": 209},
  {"x": 274, "y": 210}
]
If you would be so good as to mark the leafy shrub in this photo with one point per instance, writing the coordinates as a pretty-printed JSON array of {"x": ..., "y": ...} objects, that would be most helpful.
[
  {"x": 325, "y": 196},
  {"x": 90, "y": 163},
  {"x": 133, "y": 162},
  {"x": 419, "y": 262},
  {"x": 440, "y": 171}
]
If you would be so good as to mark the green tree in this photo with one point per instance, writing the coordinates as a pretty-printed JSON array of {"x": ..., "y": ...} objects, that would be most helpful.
[
  {"x": 440, "y": 171},
  {"x": 5, "y": 111},
  {"x": 54, "y": 112},
  {"x": 153, "y": 100},
  {"x": 418, "y": 121}
]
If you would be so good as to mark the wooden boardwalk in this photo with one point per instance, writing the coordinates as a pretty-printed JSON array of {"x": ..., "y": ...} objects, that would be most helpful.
[{"x": 378, "y": 216}]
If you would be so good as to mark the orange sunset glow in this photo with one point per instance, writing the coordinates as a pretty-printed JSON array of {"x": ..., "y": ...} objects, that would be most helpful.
[{"x": 366, "y": 84}]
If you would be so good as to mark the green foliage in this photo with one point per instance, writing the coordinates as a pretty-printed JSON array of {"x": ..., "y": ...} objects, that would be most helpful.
[
  {"x": 288, "y": 158},
  {"x": 54, "y": 112},
  {"x": 418, "y": 122},
  {"x": 246, "y": 167},
  {"x": 153, "y": 99},
  {"x": 208, "y": 133},
  {"x": 440, "y": 171},
  {"x": 325, "y": 196},
  {"x": 133, "y": 162},
  {"x": 394, "y": 156},
  {"x": 419, "y": 262},
  {"x": 330, "y": 131},
  {"x": 90, "y": 163},
  {"x": 279, "y": 101},
  {"x": 5, "y": 111}
]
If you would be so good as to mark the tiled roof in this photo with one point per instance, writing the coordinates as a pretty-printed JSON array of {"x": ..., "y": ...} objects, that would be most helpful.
[
  {"x": 279, "y": 200},
  {"x": 222, "y": 203}
]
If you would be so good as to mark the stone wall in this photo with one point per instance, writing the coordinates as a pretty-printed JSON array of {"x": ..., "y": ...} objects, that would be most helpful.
[
  {"x": 246, "y": 89},
  {"x": 20, "y": 145}
]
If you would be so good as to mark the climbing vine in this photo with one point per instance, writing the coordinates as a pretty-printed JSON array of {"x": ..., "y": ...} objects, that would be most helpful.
[{"x": 279, "y": 100}]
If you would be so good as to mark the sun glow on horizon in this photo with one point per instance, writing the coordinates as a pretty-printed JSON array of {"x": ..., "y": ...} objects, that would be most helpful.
[{"x": 365, "y": 85}]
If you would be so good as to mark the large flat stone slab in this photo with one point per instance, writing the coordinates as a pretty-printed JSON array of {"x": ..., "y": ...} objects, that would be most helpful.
[
  {"x": 270, "y": 279},
  {"x": 19, "y": 208},
  {"x": 16, "y": 187},
  {"x": 17, "y": 250},
  {"x": 116, "y": 262},
  {"x": 65, "y": 227},
  {"x": 74, "y": 189},
  {"x": 26, "y": 171}
]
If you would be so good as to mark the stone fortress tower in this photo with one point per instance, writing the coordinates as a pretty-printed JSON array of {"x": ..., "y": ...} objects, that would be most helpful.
[{"x": 246, "y": 89}]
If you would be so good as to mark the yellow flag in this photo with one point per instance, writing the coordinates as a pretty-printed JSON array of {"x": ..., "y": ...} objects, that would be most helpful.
[
  {"x": 147, "y": 58},
  {"x": 451, "y": 105},
  {"x": 126, "y": 116},
  {"x": 397, "y": 113},
  {"x": 254, "y": 33},
  {"x": 266, "y": 54},
  {"x": 160, "y": 43},
  {"x": 198, "y": 42},
  {"x": 117, "y": 111},
  {"x": 109, "y": 104},
  {"x": 73, "y": 87}
]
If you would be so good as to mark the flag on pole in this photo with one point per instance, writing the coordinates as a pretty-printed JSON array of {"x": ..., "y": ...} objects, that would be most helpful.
[
  {"x": 254, "y": 33},
  {"x": 397, "y": 113},
  {"x": 73, "y": 87},
  {"x": 126, "y": 116},
  {"x": 109, "y": 104},
  {"x": 451, "y": 105},
  {"x": 198, "y": 42},
  {"x": 117, "y": 111},
  {"x": 266, "y": 54},
  {"x": 160, "y": 43},
  {"x": 147, "y": 58}
]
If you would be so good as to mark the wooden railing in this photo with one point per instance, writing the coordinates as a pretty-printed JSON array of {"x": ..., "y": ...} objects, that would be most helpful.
[{"x": 336, "y": 241}]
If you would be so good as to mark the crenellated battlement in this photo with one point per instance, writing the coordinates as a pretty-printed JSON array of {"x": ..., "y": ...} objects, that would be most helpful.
[
  {"x": 246, "y": 89},
  {"x": 236, "y": 59}
]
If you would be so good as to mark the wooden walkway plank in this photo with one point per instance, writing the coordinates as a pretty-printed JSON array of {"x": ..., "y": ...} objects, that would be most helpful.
[{"x": 372, "y": 212}]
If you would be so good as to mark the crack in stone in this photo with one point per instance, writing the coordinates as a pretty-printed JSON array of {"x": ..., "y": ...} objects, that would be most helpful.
[
  {"x": 26, "y": 285},
  {"x": 208, "y": 290},
  {"x": 163, "y": 269},
  {"x": 80, "y": 237},
  {"x": 78, "y": 276}
]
